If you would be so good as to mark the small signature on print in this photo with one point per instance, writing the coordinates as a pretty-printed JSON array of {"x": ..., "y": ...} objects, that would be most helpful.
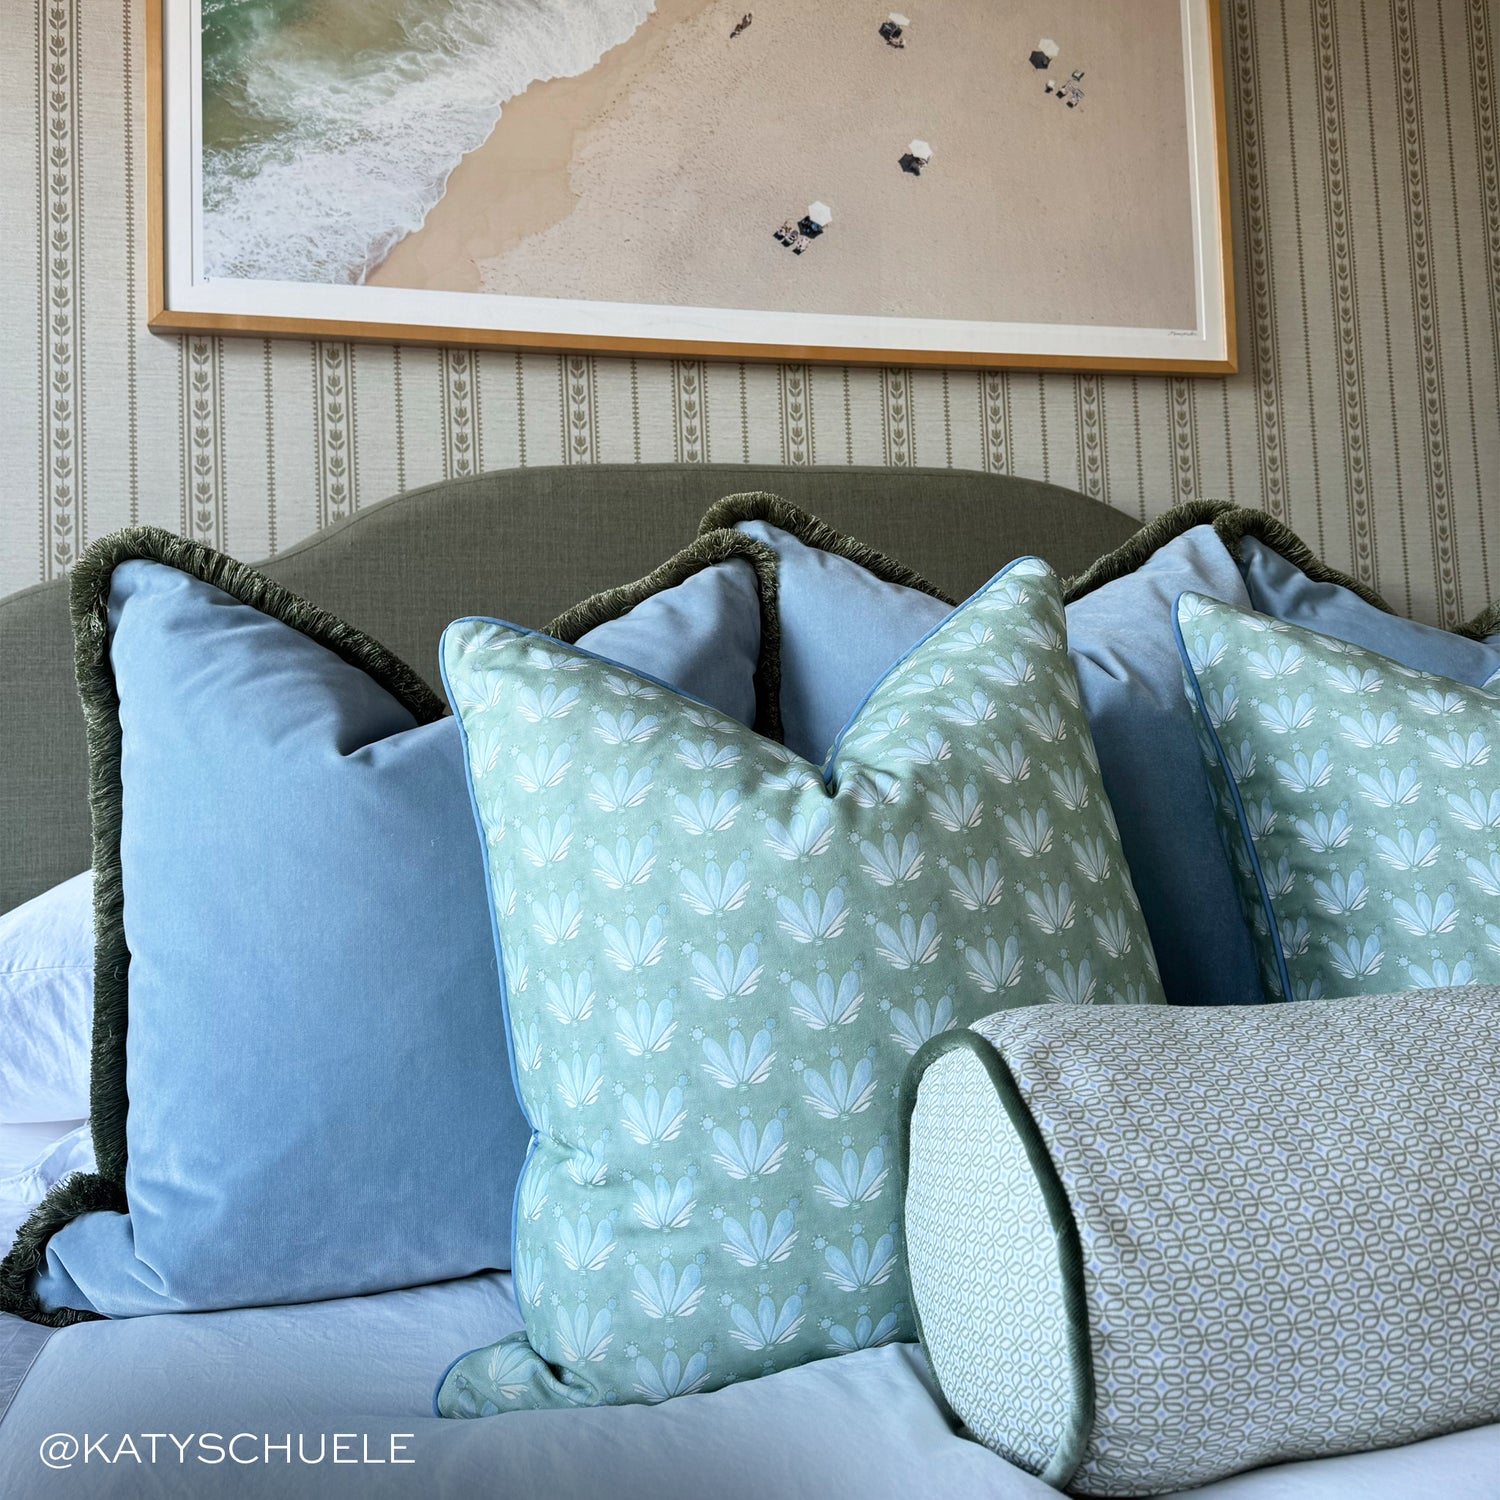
[{"x": 65, "y": 1450}]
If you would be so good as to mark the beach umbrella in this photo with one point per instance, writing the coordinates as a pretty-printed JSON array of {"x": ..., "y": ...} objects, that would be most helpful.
[
  {"x": 896, "y": 19},
  {"x": 820, "y": 214},
  {"x": 1046, "y": 50},
  {"x": 921, "y": 150}
]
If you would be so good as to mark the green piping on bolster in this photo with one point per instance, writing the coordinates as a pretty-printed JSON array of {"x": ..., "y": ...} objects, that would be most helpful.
[
  {"x": 1079, "y": 1426},
  {"x": 710, "y": 548},
  {"x": 104, "y": 1189},
  {"x": 760, "y": 505},
  {"x": 1233, "y": 523}
]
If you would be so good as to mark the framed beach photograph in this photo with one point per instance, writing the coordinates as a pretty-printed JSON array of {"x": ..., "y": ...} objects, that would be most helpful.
[{"x": 1034, "y": 184}]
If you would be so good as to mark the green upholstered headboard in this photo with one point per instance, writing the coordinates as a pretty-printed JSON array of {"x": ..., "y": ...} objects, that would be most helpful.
[{"x": 523, "y": 544}]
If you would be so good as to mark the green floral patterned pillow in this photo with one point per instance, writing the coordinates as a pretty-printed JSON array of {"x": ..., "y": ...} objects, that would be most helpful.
[
  {"x": 1359, "y": 801},
  {"x": 718, "y": 961}
]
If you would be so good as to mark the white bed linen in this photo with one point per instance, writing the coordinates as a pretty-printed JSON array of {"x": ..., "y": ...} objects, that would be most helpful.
[
  {"x": 864, "y": 1425},
  {"x": 32, "y": 1158},
  {"x": 22, "y": 1145},
  {"x": 47, "y": 1003}
]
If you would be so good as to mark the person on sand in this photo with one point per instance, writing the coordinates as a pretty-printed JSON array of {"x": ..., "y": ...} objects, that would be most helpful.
[{"x": 745, "y": 20}]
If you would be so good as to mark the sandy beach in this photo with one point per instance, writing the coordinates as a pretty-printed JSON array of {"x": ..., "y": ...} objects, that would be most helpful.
[{"x": 660, "y": 175}]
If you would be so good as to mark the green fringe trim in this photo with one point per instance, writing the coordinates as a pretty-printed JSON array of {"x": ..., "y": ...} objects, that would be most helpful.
[
  {"x": 713, "y": 546},
  {"x": 1486, "y": 622},
  {"x": 109, "y": 1099},
  {"x": 1233, "y": 523},
  {"x": 78, "y": 1193},
  {"x": 759, "y": 505}
]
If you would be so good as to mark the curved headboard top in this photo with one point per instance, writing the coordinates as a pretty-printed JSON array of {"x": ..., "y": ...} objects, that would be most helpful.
[{"x": 523, "y": 544}]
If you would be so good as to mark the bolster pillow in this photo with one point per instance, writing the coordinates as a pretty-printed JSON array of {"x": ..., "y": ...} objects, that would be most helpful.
[{"x": 1150, "y": 1247}]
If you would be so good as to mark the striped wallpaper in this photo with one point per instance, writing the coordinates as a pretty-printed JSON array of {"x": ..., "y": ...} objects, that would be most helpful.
[{"x": 1366, "y": 184}]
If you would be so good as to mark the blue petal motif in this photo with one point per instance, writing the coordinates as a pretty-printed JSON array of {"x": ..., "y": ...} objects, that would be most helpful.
[
  {"x": 671, "y": 1377},
  {"x": 739, "y": 1064},
  {"x": 826, "y": 1004},
  {"x": 761, "y": 1244},
  {"x": 751, "y": 1153},
  {"x": 666, "y": 1295},
  {"x": 861, "y": 1267},
  {"x": 664, "y": 1205},
  {"x": 769, "y": 1324},
  {"x": 852, "y": 1181}
]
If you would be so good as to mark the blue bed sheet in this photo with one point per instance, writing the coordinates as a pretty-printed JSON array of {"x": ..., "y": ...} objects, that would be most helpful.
[{"x": 361, "y": 1370}]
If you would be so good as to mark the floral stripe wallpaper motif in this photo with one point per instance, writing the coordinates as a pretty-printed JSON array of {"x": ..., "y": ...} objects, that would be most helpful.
[{"x": 1366, "y": 187}]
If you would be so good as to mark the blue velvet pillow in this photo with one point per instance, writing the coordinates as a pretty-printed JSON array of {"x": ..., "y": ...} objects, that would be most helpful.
[
  {"x": 842, "y": 625},
  {"x": 1124, "y": 650},
  {"x": 1278, "y": 587},
  {"x": 298, "y": 993},
  {"x": 842, "y": 629},
  {"x": 847, "y": 613},
  {"x": 665, "y": 636}
]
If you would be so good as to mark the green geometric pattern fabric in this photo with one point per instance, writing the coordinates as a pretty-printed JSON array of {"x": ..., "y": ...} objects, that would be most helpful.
[
  {"x": 1287, "y": 1223},
  {"x": 718, "y": 963},
  {"x": 1360, "y": 803},
  {"x": 977, "y": 1235}
]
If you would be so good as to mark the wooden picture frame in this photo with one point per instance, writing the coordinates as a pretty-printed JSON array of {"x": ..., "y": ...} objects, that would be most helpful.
[{"x": 184, "y": 296}]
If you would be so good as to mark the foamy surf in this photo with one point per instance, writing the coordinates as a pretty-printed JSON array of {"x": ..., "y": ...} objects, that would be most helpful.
[{"x": 331, "y": 126}]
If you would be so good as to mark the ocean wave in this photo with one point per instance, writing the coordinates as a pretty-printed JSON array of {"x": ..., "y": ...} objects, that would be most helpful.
[{"x": 331, "y": 126}]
